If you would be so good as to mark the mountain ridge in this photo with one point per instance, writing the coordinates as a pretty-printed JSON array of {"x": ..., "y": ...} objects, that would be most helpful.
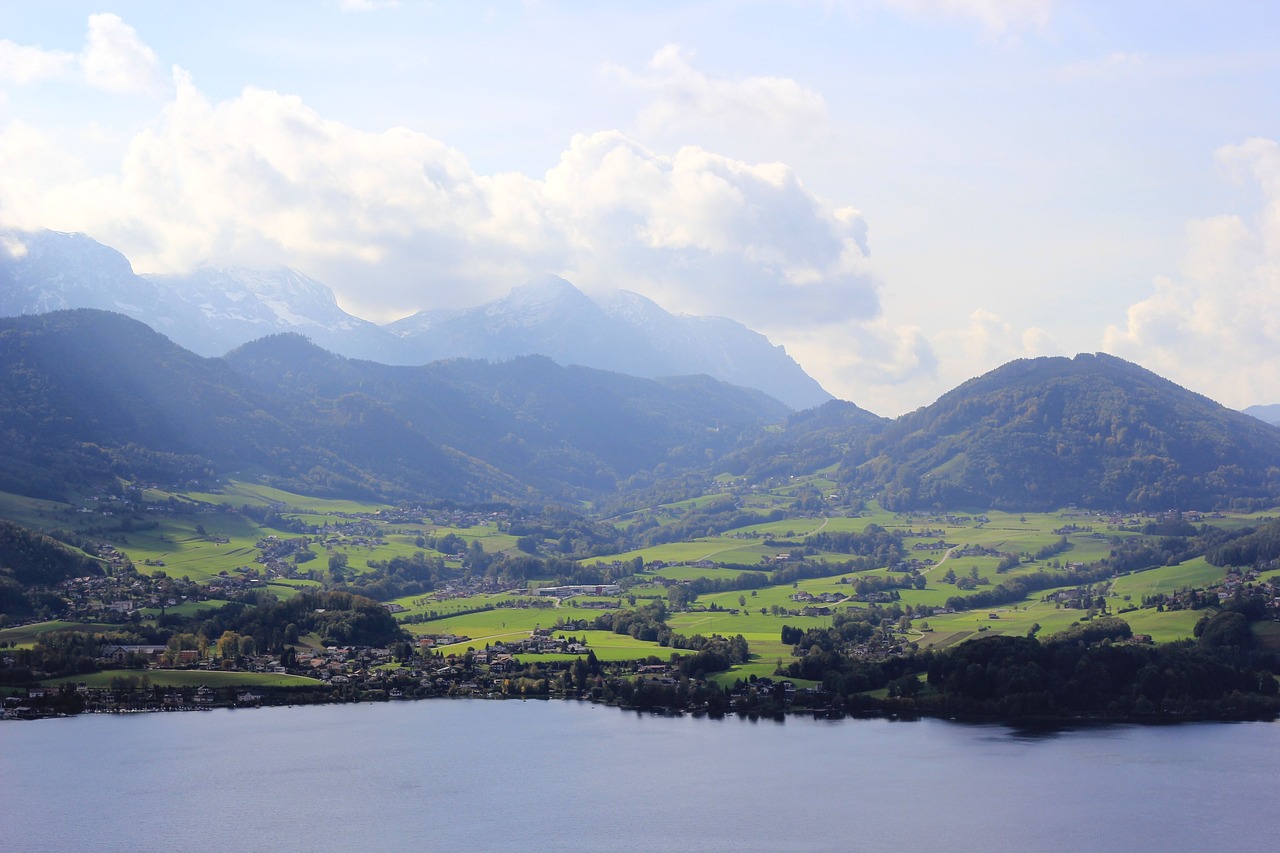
[
  {"x": 212, "y": 310},
  {"x": 92, "y": 395},
  {"x": 1093, "y": 429}
]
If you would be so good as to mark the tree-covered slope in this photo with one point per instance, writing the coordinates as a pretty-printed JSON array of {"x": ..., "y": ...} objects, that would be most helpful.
[
  {"x": 31, "y": 563},
  {"x": 1094, "y": 430},
  {"x": 837, "y": 431},
  {"x": 88, "y": 396},
  {"x": 550, "y": 427}
]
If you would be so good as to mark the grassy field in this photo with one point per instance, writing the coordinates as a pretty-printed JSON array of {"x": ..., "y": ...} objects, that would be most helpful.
[
  {"x": 188, "y": 678},
  {"x": 186, "y": 608},
  {"x": 1167, "y": 579},
  {"x": 25, "y": 636},
  {"x": 238, "y": 494},
  {"x": 34, "y": 513}
]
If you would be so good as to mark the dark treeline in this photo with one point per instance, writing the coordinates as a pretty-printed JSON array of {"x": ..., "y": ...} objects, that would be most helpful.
[
  {"x": 708, "y": 519},
  {"x": 884, "y": 545},
  {"x": 264, "y": 627},
  {"x": 1090, "y": 671},
  {"x": 1016, "y": 589},
  {"x": 1250, "y": 548}
]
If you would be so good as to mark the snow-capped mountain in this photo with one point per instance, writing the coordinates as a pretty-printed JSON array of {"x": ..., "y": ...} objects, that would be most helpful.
[
  {"x": 547, "y": 316},
  {"x": 47, "y": 271},
  {"x": 240, "y": 305},
  {"x": 212, "y": 310},
  {"x": 624, "y": 332}
]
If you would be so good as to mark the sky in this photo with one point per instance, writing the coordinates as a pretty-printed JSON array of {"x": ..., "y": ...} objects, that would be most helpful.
[{"x": 903, "y": 193}]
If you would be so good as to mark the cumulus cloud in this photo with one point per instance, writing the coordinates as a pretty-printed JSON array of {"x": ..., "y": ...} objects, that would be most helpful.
[
  {"x": 396, "y": 221},
  {"x": 686, "y": 100},
  {"x": 876, "y": 364},
  {"x": 114, "y": 59},
  {"x": 1216, "y": 326},
  {"x": 700, "y": 231},
  {"x": 989, "y": 341},
  {"x": 23, "y": 64}
]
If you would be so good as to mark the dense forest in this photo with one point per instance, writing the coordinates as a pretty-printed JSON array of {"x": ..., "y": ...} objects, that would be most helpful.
[{"x": 1094, "y": 430}]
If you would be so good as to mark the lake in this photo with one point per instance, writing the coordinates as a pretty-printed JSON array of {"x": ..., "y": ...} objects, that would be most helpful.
[{"x": 454, "y": 775}]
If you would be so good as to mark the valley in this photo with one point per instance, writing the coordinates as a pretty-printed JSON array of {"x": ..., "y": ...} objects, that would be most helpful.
[{"x": 465, "y": 586}]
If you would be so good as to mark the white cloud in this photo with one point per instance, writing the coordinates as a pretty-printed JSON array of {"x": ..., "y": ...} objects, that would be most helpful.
[
  {"x": 396, "y": 221},
  {"x": 989, "y": 341},
  {"x": 686, "y": 100},
  {"x": 875, "y": 363},
  {"x": 699, "y": 231},
  {"x": 114, "y": 59},
  {"x": 23, "y": 64},
  {"x": 1216, "y": 326}
]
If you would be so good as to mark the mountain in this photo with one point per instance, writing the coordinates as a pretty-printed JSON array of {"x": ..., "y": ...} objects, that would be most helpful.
[
  {"x": 212, "y": 310},
  {"x": 808, "y": 442},
  {"x": 624, "y": 332},
  {"x": 548, "y": 316},
  {"x": 1093, "y": 430},
  {"x": 236, "y": 305},
  {"x": 88, "y": 396},
  {"x": 1268, "y": 413},
  {"x": 48, "y": 271}
]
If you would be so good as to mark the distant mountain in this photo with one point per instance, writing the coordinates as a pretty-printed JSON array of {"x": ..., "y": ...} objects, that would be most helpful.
[
  {"x": 49, "y": 271},
  {"x": 626, "y": 333},
  {"x": 809, "y": 441},
  {"x": 1269, "y": 413},
  {"x": 1046, "y": 432},
  {"x": 87, "y": 396},
  {"x": 213, "y": 310},
  {"x": 237, "y": 305}
]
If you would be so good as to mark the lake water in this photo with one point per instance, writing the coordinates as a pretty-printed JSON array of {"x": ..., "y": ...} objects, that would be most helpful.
[{"x": 483, "y": 775}]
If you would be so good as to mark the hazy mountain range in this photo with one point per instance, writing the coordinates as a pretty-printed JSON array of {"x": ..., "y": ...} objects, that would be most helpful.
[
  {"x": 88, "y": 397},
  {"x": 1269, "y": 413},
  {"x": 213, "y": 310}
]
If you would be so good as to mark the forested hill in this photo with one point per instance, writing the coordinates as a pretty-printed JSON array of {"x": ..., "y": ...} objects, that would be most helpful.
[
  {"x": 809, "y": 441},
  {"x": 29, "y": 559},
  {"x": 1094, "y": 430},
  {"x": 89, "y": 395},
  {"x": 548, "y": 426}
]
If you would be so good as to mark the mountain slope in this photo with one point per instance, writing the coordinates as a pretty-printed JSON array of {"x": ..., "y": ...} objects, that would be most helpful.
[
  {"x": 1268, "y": 413},
  {"x": 809, "y": 441},
  {"x": 625, "y": 333},
  {"x": 1094, "y": 430},
  {"x": 552, "y": 427},
  {"x": 88, "y": 396},
  {"x": 239, "y": 305},
  {"x": 212, "y": 310}
]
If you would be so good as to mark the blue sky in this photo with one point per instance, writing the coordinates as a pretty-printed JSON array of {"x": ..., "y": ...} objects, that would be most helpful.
[{"x": 904, "y": 193}]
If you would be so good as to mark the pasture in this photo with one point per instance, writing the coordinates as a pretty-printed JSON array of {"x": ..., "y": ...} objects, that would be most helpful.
[{"x": 187, "y": 678}]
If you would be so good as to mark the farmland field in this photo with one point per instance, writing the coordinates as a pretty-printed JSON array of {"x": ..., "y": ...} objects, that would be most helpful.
[{"x": 188, "y": 678}]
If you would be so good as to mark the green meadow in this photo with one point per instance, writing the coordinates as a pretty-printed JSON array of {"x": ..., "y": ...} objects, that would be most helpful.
[
  {"x": 1192, "y": 574},
  {"x": 25, "y": 636},
  {"x": 188, "y": 678}
]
